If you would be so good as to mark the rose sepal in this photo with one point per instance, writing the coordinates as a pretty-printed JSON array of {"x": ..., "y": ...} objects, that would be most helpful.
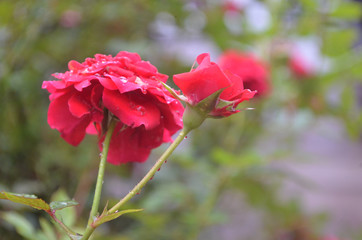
[
  {"x": 195, "y": 115},
  {"x": 179, "y": 97}
]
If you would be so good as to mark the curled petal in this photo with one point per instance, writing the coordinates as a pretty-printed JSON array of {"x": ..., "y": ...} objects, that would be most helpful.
[
  {"x": 134, "y": 57},
  {"x": 235, "y": 89},
  {"x": 75, "y": 66},
  {"x": 72, "y": 128},
  {"x": 77, "y": 106},
  {"x": 201, "y": 83}
]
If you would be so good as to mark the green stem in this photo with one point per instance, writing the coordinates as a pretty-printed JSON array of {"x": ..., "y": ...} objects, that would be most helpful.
[
  {"x": 98, "y": 190},
  {"x": 69, "y": 232},
  {"x": 152, "y": 171}
]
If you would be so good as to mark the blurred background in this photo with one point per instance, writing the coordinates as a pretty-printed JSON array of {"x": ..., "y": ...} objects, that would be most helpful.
[{"x": 289, "y": 170}]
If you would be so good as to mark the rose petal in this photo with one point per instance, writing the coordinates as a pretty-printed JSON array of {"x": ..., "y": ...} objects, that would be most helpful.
[
  {"x": 78, "y": 106},
  {"x": 167, "y": 136},
  {"x": 124, "y": 146},
  {"x": 83, "y": 84},
  {"x": 134, "y": 57},
  {"x": 151, "y": 138},
  {"x": 96, "y": 97},
  {"x": 234, "y": 90},
  {"x": 124, "y": 84},
  {"x": 171, "y": 115},
  {"x": 199, "y": 84},
  {"x": 107, "y": 83},
  {"x": 131, "y": 109},
  {"x": 75, "y": 66},
  {"x": 92, "y": 129},
  {"x": 118, "y": 71},
  {"x": 203, "y": 58},
  {"x": 52, "y": 86},
  {"x": 72, "y": 129}
]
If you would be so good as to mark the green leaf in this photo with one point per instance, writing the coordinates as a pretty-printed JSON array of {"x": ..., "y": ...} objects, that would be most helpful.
[
  {"x": 21, "y": 224},
  {"x": 338, "y": 42},
  {"x": 3, "y": 196},
  {"x": 108, "y": 217},
  {"x": 57, "y": 205},
  {"x": 347, "y": 10},
  {"x": 30, "y": 200},
  {"x": 65, "y": 212}
]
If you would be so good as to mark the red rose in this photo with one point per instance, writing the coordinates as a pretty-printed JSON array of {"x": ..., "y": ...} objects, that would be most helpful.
[
  {"x": 126, "y": 87},
  {"x": 254, "y": 73},
  {"x": 209, "y": 78}
]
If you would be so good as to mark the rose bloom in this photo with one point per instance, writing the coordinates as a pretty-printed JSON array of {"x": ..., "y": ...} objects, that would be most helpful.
[
  {"x": 124, "y": 87},
  {"x": 209, "y": 78},
  {"x": 253, "y": 72}
]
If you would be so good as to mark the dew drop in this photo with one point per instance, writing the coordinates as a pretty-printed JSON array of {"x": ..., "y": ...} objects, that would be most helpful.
[
  {"x": 123, "y": 79},
  {"x": 141, "y": 110},
  {"x": 185, "y": 137},
  {"x": 139, "y": 81}
]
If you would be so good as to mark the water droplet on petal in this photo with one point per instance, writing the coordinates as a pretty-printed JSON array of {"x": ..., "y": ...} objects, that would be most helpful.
[
  {"x": 141, "y": 110},
  {"x": 123, "y": 79},
  {"x": 139, "y": 81}
]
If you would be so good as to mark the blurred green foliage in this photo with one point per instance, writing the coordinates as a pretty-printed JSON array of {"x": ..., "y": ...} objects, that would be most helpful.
[{"x": 219, "y": 162}]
